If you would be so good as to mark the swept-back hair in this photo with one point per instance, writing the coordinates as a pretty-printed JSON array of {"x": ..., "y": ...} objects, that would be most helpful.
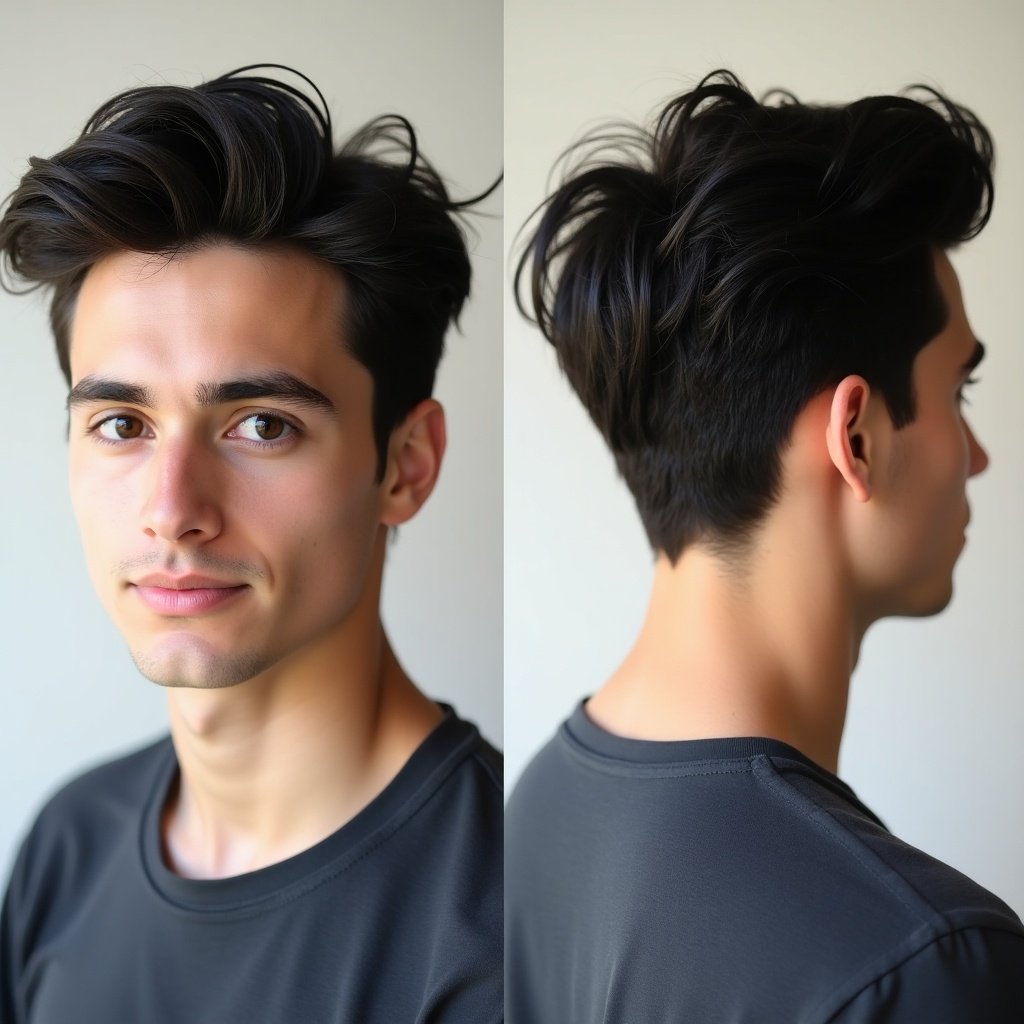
[
  {"x": 703, "y": 280},
  {"x": 250, "y": 159}
]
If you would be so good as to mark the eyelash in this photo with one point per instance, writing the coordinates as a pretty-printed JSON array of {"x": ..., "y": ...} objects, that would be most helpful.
[
  {"x": 961, "y": 397},
  {"x": 293, "y": 432}
]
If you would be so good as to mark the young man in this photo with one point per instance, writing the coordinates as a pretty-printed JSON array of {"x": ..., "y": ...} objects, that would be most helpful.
[
  {"x": 250, "y": 324},
  {"x": 755, "y": 305}
]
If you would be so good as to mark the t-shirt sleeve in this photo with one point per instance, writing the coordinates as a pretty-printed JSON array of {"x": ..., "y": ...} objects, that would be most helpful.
[
  {"x": 971, "y": 976},
  {"x": 12, "y": 934},
  {"x": 6, "y": 964},
  {"x": 30, "y": 897}
]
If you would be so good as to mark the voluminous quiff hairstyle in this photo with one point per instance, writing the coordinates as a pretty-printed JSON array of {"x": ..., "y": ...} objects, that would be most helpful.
[
  {"x": 702, "y": 281},
  {"x": 249, "y": 159}
]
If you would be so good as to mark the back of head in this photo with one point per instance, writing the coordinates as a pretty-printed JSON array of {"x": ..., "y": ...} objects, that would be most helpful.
[
  {"x": 702, "y": 281},
  {"x": 249, "y": 159}
]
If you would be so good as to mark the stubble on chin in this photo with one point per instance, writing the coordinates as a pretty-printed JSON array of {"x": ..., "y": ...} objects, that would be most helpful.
[{"x": 198, "y": 669}]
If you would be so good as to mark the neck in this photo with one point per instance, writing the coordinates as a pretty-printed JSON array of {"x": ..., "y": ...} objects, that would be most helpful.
[
  {"x": 765, "y": 650},
  {"x": 275, "y": 764}
]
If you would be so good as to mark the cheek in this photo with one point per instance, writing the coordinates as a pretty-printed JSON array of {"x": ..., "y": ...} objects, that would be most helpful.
[
  {"x": 316, "y": 532},
  {"x": 950, "y": 460},
  {"x": 933, "y": 461},
  {"x": 104, "y": 510},
  {"x": 933, "y": 493}
]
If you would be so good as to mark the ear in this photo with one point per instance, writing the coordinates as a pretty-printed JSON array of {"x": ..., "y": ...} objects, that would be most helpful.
[
  {"x": 415, "y": 450},
  {"x": 849, "y": 439}
]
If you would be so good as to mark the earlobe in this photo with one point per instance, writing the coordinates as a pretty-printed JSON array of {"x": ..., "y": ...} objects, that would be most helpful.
[
  {"x": 848, "y": 436},
  {"x": 415, "y": 451}
]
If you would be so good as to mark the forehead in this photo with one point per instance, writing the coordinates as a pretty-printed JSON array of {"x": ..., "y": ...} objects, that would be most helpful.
[
  {"x": 955, "y": 349},
  {"x": 218, "y": 310}
]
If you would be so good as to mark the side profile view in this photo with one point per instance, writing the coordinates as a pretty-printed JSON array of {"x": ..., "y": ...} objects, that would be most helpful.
[
  {"x": 250, "y": 322},
  {"x": 755, "y": 303}
]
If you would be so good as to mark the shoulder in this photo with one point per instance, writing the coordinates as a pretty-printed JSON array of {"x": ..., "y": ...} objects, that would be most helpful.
[
  {"x": 489, "y": 761},
  {"x": 752, "y": 845},
  {"x": 441, "y": 815},
  {"x": 545, "y": 767},
  {"x": 79, "y": 824},
  {"x": 460, "y": 820},
  {"x": 458, "y": 758},
  {"x": 106, "y": 790},
  {"x": 445, "y": 870},
  {"x": 966, "y": 974},
  {"x": 919, "y": 886},
  {"x": 942, "y": 947},
  {"x": 457, "y": 809}
]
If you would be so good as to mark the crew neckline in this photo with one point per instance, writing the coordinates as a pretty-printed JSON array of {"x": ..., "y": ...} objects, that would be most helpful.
[
  {"x": 655, "y": 759},
  {"x": 585, "y": 733},
  {"x": 450, "y": 741}
]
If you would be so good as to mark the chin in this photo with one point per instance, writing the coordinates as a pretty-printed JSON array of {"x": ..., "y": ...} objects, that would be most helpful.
[
  {"x": 925, "y": 605},
  {"x": 195, "y": 665}
]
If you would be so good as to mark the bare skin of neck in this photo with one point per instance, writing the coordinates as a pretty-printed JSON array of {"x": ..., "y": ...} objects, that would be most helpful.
[
  {"x": 761, "y": 646},
  {"x": 274, "y": 765}
]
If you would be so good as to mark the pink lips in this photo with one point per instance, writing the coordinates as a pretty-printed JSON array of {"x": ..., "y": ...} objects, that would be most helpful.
[{"x": 185, "y": 595}]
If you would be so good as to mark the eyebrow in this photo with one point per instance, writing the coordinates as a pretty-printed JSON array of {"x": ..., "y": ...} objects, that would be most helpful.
[
  {"x": 976, "y": 357},
  {"x": 274, "y": 385}
]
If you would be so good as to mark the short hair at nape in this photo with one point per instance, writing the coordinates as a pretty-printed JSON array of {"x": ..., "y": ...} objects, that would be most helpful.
[
  {"x": 703, "y": 280},
  {"x": 249, "y": 159}
]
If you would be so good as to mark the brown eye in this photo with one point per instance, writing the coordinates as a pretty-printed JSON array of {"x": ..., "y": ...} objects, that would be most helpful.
[
  {"x": 270, "y": 428},
  {"x": 121, "y": 428},
  {"x": 264, "y": 426}
]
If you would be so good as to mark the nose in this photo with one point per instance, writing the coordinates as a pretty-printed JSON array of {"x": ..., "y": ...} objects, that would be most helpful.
[
  {"x": 979, "y": 457},
  {"x": 179, "y": 503}
]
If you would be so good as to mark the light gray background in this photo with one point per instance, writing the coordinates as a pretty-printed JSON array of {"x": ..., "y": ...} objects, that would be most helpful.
[
  {"x": 70, "y": 693},
  {"x": 933, "y": 741}
]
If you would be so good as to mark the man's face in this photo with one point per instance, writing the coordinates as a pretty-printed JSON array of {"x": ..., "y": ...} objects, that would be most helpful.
[
  {"x": 924, "y": 500},
  {"x": 222, "y": 460}
]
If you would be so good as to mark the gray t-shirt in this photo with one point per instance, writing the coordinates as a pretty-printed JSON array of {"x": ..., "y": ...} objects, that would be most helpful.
[
  {"x": 394, "y": 918},
  {"x": 734, "y": 880}
]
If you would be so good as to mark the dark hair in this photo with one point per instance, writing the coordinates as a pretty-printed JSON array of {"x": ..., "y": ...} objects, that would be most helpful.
[
  {"x": 250, "y": 159},
  {"x": 701, "y": 282}
]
